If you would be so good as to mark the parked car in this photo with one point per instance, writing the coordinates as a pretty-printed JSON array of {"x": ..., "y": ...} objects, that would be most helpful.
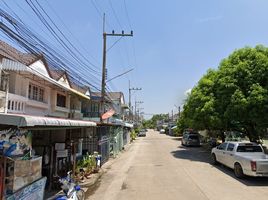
[
  {"x": 162, "y": 130},
  {"x": 142, "y": 133},
  {"x": 246, "y": 158},
  {"x": 190, "y": 139}
]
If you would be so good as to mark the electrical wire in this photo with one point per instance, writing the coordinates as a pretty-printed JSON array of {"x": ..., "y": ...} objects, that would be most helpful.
[
  {"x": 66, "y": 27},
  {"x": 115, "y": 15},
  {"x": 27, "y": 40},
  {"x": 128, "y": 19}
]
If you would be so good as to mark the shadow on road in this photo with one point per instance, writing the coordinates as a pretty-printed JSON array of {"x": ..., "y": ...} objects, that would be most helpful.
[
  {"x": 199, "y": 154},
  {"x": 247, "y": 180}
]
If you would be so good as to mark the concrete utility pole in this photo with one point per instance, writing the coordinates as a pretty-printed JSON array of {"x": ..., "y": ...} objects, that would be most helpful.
[
  {"x": 129, "y": 93},
  {"x": 137, "y": 102},
  {"x": 103, "y": 84}
]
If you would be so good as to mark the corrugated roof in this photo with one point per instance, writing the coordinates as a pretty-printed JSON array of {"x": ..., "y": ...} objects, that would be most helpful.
[
  {"x": 10, "y": 52},
  {"x": 32, "y": 121}
]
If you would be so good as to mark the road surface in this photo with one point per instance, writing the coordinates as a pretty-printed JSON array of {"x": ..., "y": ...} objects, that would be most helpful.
[{"x": 157, "y": 167}]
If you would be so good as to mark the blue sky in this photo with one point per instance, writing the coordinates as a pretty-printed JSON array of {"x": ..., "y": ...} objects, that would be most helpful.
[{"x": 175, "y": 42}]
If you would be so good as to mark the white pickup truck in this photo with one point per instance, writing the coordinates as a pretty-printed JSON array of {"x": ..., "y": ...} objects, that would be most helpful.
[{"x": 246, "y": 158}]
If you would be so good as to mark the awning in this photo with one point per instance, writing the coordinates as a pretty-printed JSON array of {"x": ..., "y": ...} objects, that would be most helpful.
[
  {"x": 16, "y": 66},
  {"x": 129, "y": 125},
  {"x": 174, "y": 127},
  {"x": 36, "y": 121}
]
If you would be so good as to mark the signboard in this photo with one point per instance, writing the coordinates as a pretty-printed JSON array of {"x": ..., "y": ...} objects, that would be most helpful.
[
  {"x": 30, "y": 192},
  {"x": 108, "y": 114}
]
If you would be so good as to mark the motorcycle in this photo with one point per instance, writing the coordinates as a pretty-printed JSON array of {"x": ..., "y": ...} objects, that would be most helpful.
[{"x": 71, "y": 190}]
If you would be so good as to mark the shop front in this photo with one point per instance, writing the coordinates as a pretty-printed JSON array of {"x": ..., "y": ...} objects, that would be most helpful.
[{"x": 36, "y": 149}]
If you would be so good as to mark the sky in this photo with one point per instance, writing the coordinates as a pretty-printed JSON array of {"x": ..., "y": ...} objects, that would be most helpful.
[{"x": 175, "y": 41}]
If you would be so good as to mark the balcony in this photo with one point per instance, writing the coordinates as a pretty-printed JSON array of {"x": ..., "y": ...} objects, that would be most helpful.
[{"x": 16, "y": 103}]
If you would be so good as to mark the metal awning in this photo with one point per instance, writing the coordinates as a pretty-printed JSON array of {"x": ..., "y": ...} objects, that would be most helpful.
[
  {"x": 36, "y": 121},
  {"x": 129, "y": 125}
]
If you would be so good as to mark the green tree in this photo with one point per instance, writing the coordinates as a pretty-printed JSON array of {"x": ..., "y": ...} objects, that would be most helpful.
[{"x": 233, "y": 97}]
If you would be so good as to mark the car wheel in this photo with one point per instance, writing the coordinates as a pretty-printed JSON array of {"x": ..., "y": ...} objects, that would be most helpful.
[
  {"x": 238, "y": 171},
  {"x": 214, "y": 159}
]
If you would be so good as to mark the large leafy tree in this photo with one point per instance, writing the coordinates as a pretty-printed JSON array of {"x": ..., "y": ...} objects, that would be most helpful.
[{"x": 233, "y": 97}]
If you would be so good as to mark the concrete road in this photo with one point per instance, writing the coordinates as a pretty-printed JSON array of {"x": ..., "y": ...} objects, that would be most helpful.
[{"x": 158, "y": 167}]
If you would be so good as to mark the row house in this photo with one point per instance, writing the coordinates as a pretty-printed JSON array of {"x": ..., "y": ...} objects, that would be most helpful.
[
  {"x": 115, "y": 131},
  {"x": 40, "y": 117},
  {"x": 56, "y": 118}
]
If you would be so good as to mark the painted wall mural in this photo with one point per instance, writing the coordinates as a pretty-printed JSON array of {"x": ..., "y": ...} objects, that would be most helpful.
[{"x": 15, "y": 142}]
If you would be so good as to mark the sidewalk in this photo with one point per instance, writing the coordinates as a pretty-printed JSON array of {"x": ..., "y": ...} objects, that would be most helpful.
[{"x": 90, "y": 184}]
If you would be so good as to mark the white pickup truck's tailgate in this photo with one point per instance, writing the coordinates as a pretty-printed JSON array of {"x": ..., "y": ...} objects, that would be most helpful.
[{"x": 262, "y": 166}]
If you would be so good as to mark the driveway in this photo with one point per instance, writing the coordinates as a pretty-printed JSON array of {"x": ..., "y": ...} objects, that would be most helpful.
[{"x": 158, "y": 167}]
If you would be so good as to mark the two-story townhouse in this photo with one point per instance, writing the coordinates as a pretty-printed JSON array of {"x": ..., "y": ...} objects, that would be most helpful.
[
  {"x": 37, "y": 103},
  {"x": 115, "y": 127}
]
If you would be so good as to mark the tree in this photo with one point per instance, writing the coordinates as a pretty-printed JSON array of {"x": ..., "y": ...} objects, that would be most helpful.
[
  {"x": 152, "y": 123},
  {"x": 233, "y": 97}
]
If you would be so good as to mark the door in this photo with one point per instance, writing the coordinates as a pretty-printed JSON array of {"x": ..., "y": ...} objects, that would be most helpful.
[
  {"x": 220, "y": 154},
  {"x": 229, "y": 155}
]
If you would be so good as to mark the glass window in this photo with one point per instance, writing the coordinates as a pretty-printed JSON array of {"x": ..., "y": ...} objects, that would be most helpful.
[
  {"x": 193, "y": 137},
  {"x": 249, "y": 149},
  {"x": 30, "y": 92},
  {"x": 230, "y": 147},
  {"x": 61, "y": 100},
  {"x": 222, "y": 146},
  {"x": 36, "y": 93},
  {"x": 41, "y": 94}
]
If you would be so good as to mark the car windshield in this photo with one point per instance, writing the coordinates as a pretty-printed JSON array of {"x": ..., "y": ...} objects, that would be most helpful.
[
  {"x": 193, "y": 137},
  {"x": 249, "y": 149}
]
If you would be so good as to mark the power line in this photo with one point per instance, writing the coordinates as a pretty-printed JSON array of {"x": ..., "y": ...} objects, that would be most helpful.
[
  {"x": 66, "y": 27},
  {"x": 62, "y": 34},
  {"x": 27, "y": 40},
  {"x": 114, "y": 13},
  {"x": 128, "y": 19}
]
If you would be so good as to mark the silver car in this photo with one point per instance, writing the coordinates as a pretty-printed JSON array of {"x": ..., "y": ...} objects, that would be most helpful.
[
  {"x": 142, "y": 133},
  {"x": 190, "y": 140}
]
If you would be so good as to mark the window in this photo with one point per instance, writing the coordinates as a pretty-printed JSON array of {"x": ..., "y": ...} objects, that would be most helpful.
[
  {"x": 222, "y": 146},
  {"x": 41, "y": 94},
  {"x": 230, "y": 147},
  {"x": 249, "y": 149},
  {"x": 61, "y": 100},
  {"x": 36, "y": 93},
  {"x": 94, "y": 107},
  {"x": 193, "y": 137}
]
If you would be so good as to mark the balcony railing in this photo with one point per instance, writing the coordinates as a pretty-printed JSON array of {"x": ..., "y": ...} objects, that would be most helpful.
[{"x": 16, "y": 103}]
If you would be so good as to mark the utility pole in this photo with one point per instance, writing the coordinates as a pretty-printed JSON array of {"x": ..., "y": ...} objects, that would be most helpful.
[
  {"x": 137, "y": 102},
  {"x": 129, "y": 93},
  {"x": 103, "y": 84}
]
